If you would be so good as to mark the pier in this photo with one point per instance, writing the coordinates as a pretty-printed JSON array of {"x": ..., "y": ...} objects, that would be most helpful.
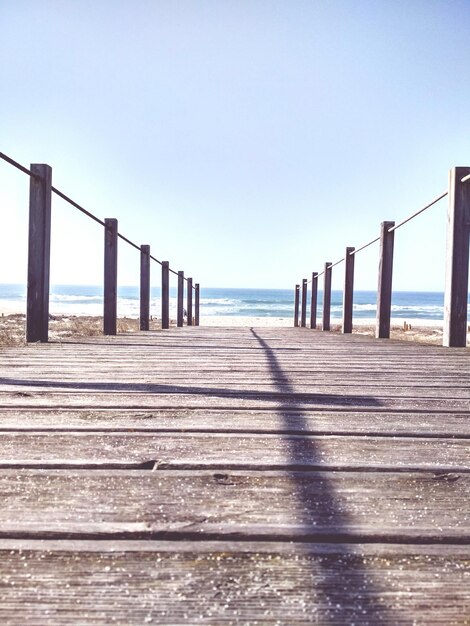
[
  {"x": 222, "y": 476},
  {"x": 191, "y": 475}
]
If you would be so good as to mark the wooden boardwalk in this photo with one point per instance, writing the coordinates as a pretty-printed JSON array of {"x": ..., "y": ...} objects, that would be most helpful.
[{"x": 234, "y": 476}]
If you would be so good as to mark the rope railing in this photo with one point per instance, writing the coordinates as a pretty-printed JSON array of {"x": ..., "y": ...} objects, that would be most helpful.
[
  {"x": 20, "y": 167},
  {"x": 77, "y": 206},
  {"x": 411, "y": 217},
  {"x": 457, "y": 261},
  {"x": 335, "y": 264},
  {"x": 366, "y": 245},
  {"x": 39, "y": 262},
  {"x": 156, "y": 260}
]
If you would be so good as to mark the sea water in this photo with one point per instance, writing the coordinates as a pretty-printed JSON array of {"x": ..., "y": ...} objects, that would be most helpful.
[{"x": 276, "y": 303}]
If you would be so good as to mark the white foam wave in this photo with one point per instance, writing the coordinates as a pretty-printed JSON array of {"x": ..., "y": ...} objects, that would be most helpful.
[
  {"x": 218, "y": 301},
  {"x": 58, "y": 297}
]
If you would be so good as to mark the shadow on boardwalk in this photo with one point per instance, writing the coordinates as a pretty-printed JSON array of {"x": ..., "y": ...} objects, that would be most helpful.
[
  {"x": 340, "y": 583},
  {"x": 345, "y": 587},
  {"x": 283, "y": 393}
]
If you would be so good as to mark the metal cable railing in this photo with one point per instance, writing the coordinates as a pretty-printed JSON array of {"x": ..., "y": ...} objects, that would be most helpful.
[
  {"x": 457, "y": 261},
  {"x": 38, "y": 273},
  {"x": 59, "y": 193},
  {"x": 393, "y": 228}
]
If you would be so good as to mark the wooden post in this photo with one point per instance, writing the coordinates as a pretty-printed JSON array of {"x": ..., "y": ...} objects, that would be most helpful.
[
  {"x": 296, "y": 306},
  {"x": 110, "y": 276},
  {"x": 313, "y": 300},
  {"x": 144, "y": 287},
  {"x": 384, "y": 292},
  {"x": 39, "y": 253},
  {"x": 180, "y": 304},
  {"x": 196, "y": 304},
  {"x": 303, "y": 314},
  {"x": 348, "y": 291},
  {"x": 189, "y": 300},
  {"x": 165, "y": 295},
  {"x": 458, "y": 234},
  {"x": 326, "y": 296}
]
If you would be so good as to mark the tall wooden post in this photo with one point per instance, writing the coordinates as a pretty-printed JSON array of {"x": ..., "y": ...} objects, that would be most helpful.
[
  {"x": 303, "y": 314},
  {"x": 165, "y": 295},
  {"x": 458, "y": 235},
  {"x": 110, "y": 276},
  {"x": 189, "y": 300},
  {"x": 326, "y": 296},
  {"x": 384, "y": 292},
  {"x": 144, "y": 286},
  {"x": 180, "y": 303},
  {"x": 348, "y": 291},
  {"x": 296, "y": 306},
  {"x": 196, "y": 304},
  {"x": 313, "y": 300},
  {"x": 39, "y": 253}
]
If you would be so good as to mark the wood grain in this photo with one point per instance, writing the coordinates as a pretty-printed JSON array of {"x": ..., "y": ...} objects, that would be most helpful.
[
  {"x": 235, "y": 585},
  {"x": 234, "y": 476},
  {"x": 277, "y": 506}
]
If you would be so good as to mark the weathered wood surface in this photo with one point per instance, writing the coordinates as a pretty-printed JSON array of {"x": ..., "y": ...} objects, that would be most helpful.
[
  {"x": 457, "y": 259},
  {"x": 216, "y": 451},
  {"x": 234, "y": 476},
  {"x": 165, "y": 297},
  {"x": 384, "y": 289},
  {"x": 110, "y": 276},
  {"x": 200, "y": 420},
  {"x": 144, "y": 287},
  {"x": 326, "y": 296},
  {"x": 39, "y": 249},
  {"x": 137, "y": 583},
  {"x": 284, "y": 506}
]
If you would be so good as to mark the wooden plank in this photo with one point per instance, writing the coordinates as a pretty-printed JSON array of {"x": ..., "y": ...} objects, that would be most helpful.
[
  {"x": 224, "y": 398},
  {"x": 39, "y": 246},
  {"x": 206, "y": 420},
  {"x": 457, "y": 259},
  {"x": 205, "y": 546},
  {"x": 210, "y": 365},
  {"x": 200, "y": 458},
  {"x": 384, "y": 290},
  {"x": 370, "y": 394},
  {"x": 235, "y": 451},
  {"x": 227, "y": 585},
  {"x": 293, "y": 506},
  {"x": 220, "y": 374}
]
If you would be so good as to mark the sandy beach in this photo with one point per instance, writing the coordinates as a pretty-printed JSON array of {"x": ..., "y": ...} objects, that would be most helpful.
[{"x": 62, "y": 327}]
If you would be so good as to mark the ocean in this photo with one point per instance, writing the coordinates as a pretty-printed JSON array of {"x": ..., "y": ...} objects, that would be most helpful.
[{"x": 278, "y": 303}]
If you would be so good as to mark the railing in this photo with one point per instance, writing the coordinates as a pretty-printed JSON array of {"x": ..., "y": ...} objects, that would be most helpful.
[
  {"x": 37, "y": 307},
  {"x": 457, "y": 262}
]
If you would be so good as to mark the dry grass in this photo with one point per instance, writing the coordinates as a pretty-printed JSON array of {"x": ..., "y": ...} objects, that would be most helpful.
[
  {"x": 62, "y": 327},
  {"x": 12, "y": 330},
  {"x": 427, "y": 335}
]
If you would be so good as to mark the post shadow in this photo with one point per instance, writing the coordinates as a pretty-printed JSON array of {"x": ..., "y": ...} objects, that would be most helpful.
[{"x": 349, "y": 594}]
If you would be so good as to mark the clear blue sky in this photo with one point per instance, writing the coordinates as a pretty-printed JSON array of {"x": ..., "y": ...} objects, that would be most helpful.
[{"x": 247, "y": 141}]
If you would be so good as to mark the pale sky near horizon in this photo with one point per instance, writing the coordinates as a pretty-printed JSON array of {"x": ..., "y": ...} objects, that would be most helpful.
[{"x": 247, "y": 142}]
